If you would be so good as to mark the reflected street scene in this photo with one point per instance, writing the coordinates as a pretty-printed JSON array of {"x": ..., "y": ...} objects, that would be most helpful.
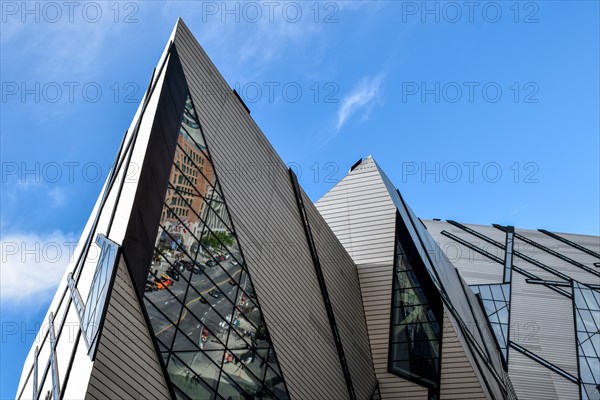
[{"x": 199, "y": 295}]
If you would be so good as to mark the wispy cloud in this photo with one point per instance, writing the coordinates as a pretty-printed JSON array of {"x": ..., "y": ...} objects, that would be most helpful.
[
  {"x": 517, "y": 210},
  {"x": 361, "y": 99},
  {"x": 57, "y": 196},
  {"x": 33, "y": 264}
]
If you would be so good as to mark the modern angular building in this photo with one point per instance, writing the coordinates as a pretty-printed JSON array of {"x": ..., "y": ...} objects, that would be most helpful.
[
  {"x": 205, "y": 272},
  {"x": 538, "y": 291}
]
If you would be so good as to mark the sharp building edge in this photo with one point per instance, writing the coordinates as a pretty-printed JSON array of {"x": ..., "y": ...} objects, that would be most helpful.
[{"x": 205, "y": 272}]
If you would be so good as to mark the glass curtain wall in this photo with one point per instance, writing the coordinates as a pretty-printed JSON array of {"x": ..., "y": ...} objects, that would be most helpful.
[{"x": 199, "y": 296}]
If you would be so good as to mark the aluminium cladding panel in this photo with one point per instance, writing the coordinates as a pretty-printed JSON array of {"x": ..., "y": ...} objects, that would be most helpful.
[
  {"x": 126, "y": 364},
  {"x": 533, "y": 381},
  {"x": 590, "y": 242},
  {"x": 361, "y": 214},
  {"x": 142, "y": 227},
  {"x": 341, "y": 278},
  {"x": 474, "y": 267},
  {"x": 459, "y": 380},
  {"x": 541, "y": 320},
  {"x": 258, "y": 192},
  {"x": 552, "y": 261}
]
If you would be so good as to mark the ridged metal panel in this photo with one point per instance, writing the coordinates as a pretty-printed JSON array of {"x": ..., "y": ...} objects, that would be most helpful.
[
  {"x": 534, "y": 308},
  {"x": 361, "y": 214},
  {"x": 565, "y": 267},
  {"x": 587, "y": 241},
  {"x": 257, "y": 189},
  {"x": 341, "y": 278},
  {"x": 458, "y": 377},
  {"x": 475, "y": 268},
  {"x": 533, "y": 381},
  {"x": 542, "y": 322},
  {"x": 126, "y": 364}
]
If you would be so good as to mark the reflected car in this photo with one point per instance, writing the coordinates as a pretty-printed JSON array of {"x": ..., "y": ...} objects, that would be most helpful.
[
  {"x": 210, "y": 263},
  {"x": 233, "y": 262},
  {"x": 214, "y": 293},
  {"x": 198, "y": 268}
]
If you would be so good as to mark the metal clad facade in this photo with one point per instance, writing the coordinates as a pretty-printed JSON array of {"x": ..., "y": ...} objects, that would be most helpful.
[
  {"x": 259, "y": 194},
  {"x": 126, "y": 364},
  {"x": 362, "y": 215},
  {"x": 459, "y": 380},
  {"x": 541, "y": 319},
  {"x": 341, "y": 277}
]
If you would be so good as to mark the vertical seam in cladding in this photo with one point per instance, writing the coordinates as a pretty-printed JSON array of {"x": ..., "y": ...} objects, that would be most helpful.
[{"x": 321, "y": 280}]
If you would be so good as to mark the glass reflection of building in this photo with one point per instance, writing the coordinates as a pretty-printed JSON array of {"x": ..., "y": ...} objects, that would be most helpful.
[{"x": 199, "y": 296}]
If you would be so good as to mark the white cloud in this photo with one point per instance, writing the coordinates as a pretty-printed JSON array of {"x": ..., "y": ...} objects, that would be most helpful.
[
  {"x": 362, "y": 97},
  {"x": 57, "y": 196},
  {"x": 33, "y": 264}
]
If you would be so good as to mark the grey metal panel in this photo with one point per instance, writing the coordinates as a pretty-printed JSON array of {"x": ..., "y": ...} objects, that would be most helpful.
[
  {"x": 542, "y": 322},
  {"x": 534, "y": 308},
  {"x": 475, "y": 268},
  {"x": 361, "y": 214},
  {"x": 341, "y": 277},
  {"x": 533, "y": 381},
  {"x": 565, "y": 267},
  {"x": 126, "y": 364},
  {"x": 590, "y": 242},
  {"x": 260, "y": 198}
]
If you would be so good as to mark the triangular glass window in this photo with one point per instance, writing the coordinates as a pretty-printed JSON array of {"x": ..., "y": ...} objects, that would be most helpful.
[{"x": 199, "y": 296}]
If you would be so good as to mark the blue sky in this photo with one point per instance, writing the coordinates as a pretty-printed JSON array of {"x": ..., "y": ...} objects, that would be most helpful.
[{"x": 484, "y": 115}]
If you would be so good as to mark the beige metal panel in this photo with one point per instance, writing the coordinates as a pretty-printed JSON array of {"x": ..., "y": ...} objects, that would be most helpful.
[
  {"x": 535, "y": 326},
  {"x": 533, "y": 381},
  {"x": 126, "y": 364},
  {"x": 263, "y": 209},
  {"x": 458, "y": 377}
]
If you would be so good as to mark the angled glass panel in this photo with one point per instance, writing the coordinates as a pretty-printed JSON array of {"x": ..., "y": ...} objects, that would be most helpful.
[
  {"x": 587, "y": 315},
  {"x": 194, "y": 374},
  {"x": 199, "y": 296},
  {"x": 496, "y": 304},
  {"x": 416, "y": 330}
]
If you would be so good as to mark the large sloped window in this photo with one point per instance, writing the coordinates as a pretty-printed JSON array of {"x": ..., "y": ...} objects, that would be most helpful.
[
  {"x": 199, "y": 295},
  {"x": 416, "y": 331},
  {"x": 587, "y": 316}
]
